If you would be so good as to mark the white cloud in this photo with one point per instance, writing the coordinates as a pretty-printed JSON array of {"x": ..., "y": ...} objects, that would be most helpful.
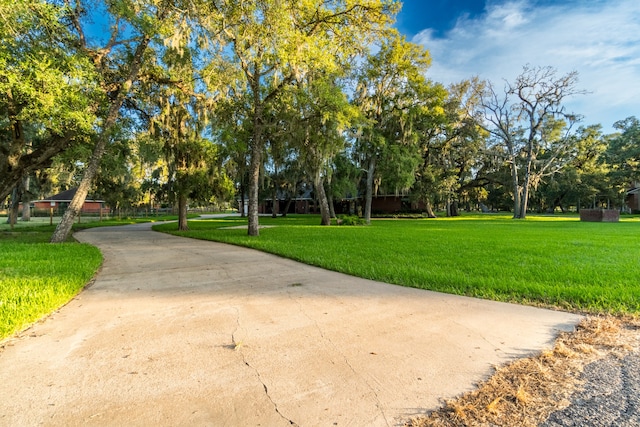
[{"x": 598, "y": 39}]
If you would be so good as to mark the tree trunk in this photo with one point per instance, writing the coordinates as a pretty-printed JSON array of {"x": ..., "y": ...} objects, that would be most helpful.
[
  {"x": 182, "y": 213},
  {"x": 515, "y": 189},
  {"x": 274, "y": 199},
  {"x": 243, "y": 212},
  {"x": 287, "y": 206},
  {"x": 332, "y": 208},
  {"x": 329, "y": 193},
  {"x": 26, "y": 211},
  {"x": 429, "y": 209},
  {"x": 369, "y": 193},
  {"x": 524, "y": 201},
  {"x": 524, "y": 198},
  {"x": 293, "y": 191},
  {"x": 16, "y": 195},
  {"x": 26, "y": 195},
  {"x": 26, "y": 200},
  {"x": 64, "y": 227},
  {"x": 254, "y": 183},
  {"x": 322, "y": 200},
  {"x": 276, "y": 204},
  {"x": 255, "y": 155},
  {"x": 452, "y": 208},
  {"x": 513, "y": 166}
]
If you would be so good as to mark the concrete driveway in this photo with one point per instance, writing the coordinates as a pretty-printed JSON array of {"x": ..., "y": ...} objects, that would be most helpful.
[{"x": 180, "y": 332}]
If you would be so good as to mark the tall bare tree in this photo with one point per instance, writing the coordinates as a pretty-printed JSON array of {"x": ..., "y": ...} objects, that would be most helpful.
[{"x": 526, "y": 119}]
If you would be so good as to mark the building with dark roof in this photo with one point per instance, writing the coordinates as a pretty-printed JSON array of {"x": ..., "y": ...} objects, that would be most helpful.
[{"x": 60, "y": 202}]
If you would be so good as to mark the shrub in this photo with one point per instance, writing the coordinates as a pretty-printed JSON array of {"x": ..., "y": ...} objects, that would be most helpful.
[{"x": 350, "y": 220}]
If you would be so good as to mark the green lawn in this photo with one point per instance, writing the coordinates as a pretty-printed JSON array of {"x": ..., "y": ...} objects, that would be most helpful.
[
  {"x": 36, "y": 277},
  {"x": 548, "y": 261}
]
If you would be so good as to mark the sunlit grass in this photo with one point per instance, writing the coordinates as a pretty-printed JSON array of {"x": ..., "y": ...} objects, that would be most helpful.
[
  {"x": 544, "y": 260},
  {"x": 36, "y": 277}
]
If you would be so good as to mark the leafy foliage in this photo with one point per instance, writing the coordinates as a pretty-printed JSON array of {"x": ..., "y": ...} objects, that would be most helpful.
[
  {"x": 351, "y": 220},
  {"x": 320, "y": 96},
  {"x": 623, "y": 153},
  {"x": 394, "y": 97},
  {"x": 48, "y": 89}
]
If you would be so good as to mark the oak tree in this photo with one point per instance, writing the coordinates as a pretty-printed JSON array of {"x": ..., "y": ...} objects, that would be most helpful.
[
  {"x": 275, "y": 43},
  {"x": 390, "y": 91},
  {"x": 525, "y": 120},
  {"x": 136, "y": 28},
  {"x": 48, "y": 98}
]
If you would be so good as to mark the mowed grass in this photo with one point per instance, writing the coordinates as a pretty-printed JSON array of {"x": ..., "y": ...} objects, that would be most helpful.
[
  {"x": 37, "y": 281},
  {"x": 36, "y": 277},
  {"x": 545, "y": 261}
]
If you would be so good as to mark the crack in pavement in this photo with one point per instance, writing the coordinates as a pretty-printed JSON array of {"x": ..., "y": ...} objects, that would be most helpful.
[
  {"x": 344, "y": 357},
  {"x": 266, "y": 392},
  {"x": 237, "y": 347}
]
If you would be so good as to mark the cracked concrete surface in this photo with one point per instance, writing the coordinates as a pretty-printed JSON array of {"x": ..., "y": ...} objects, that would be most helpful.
[{"x": 185, "y": 332}]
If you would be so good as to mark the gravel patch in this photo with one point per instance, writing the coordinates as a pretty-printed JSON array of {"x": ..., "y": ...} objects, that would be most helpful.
[
  {"x": 610, "y": 395},
  {"x": 590, "y": 379}
]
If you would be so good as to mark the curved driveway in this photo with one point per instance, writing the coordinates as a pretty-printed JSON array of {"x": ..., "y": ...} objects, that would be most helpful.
[{"x": 181, "y": 332}]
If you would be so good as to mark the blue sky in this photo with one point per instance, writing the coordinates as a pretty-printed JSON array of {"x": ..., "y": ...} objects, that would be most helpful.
[
  {"x": 494, "y": 39},
  {"x": 438, "y": 15}
]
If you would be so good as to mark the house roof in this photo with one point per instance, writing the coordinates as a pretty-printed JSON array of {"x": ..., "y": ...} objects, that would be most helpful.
[{"x": 67, "y": 196}]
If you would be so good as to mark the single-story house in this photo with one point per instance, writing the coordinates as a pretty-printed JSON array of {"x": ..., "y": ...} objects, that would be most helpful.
[
  {"x": 60, "y": 202},
  {"x": 306, "y": 203}
]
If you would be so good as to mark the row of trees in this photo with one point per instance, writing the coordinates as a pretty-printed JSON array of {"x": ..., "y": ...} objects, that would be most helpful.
[{"x": 201, "y": 99}]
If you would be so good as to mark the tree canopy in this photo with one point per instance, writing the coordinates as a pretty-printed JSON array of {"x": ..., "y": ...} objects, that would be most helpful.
[
  {"x": 49, "y": 99},
  {"x": 179, "y": 102}
]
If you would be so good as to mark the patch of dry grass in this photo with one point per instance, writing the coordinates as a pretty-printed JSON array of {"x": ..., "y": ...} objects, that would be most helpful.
[{"x": 527, "y": 391}]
